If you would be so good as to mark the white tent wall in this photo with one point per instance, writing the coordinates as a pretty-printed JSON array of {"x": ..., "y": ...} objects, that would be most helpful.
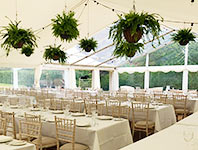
[
  {"x": 113, "y": 80},
  {"x": 96, "y": 79},
  {"x": 37, "y": 76},
  {"x": 15, "y": 78}
]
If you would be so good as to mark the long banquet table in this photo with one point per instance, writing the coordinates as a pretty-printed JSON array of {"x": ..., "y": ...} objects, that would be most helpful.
[
  {"x": 106, "y": 134},
  {"x": 171, "y": 138},
  {"x": 162, "y": 115}
]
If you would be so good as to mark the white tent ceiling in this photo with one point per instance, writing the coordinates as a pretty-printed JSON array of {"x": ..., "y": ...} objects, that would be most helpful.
[{"x": 37, "y": 14}]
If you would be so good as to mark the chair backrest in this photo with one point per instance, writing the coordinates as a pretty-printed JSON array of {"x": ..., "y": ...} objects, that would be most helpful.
[
  {"x": 3, "y": 126},
  {"x": 122, "y": 96},
  {"x": 139, "y": 97},
  {"x": 76, "y": 106},
  {"x": 180, "y": 101},
  {"x": 92, "y": 106},
  {"x": 120, "y": 111},
  {"x": 159, "y": 97},
  {"x": 65, "y": 131},
  {"x": 102, "y": 109},
  {"x": 56, "y": 104},
  {"x": 31, "y": 128},
  {"x": 110, "y": 105},
  {"x": 140, "y": 112},
  {"x": 41, "y": 103},
  {"x": 13, "y": 100},
  {"x": 10, "y": 123}
]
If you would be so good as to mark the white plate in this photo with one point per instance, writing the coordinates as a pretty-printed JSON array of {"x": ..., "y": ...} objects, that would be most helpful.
[
  {"x": 35, "y": 109},
  {"x": 50, "y": 120},
  {"x": 78, "y": 114},
  {"x": 118, "y": 119},
  {"x": 17, "y": 143},
  {"x": 88, "y": 115},
  {"x": 57, "y": 112},
  {"x": 4, "y": 139},
  {"x": 83, "y": 124},
  {"x": 14, "y": 107},
  {"x": 105, "y": 117}
]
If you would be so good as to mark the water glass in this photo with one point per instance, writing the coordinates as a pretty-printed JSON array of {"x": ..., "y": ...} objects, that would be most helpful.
[{"x": 188, "y": 134}]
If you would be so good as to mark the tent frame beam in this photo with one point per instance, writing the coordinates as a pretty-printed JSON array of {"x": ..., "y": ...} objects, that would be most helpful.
[
  {"x": 144, "y": 43},
  {"x": 92, "y": 54}
]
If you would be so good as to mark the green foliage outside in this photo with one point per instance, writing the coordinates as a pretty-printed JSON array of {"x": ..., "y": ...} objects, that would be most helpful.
[
  {"x": 172, "y": 54},
  {"x": 49, "y": 76},
  {"x": 169, "y": 55},
  {"x": 160, "y": 79},
  {"x": 135, "y": 79},
  {"x": 104, "y": 80},
  {"x": 26, "y": 77},
  {"x": 83, "y": 83},
  {"x": 6, "y": 76}
]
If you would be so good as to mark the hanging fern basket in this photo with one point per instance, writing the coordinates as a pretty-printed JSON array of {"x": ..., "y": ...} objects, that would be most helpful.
[
  {"x": 56, "y": 57},
  {"x": 132, "y": 38},
  {"x": 65, "y": 36},
  {"x": 183, "y": 42},
  {"x": 88, "y": 49},
  {"x": 18, "y": 45},
  {"x": 131, "y": 54}
]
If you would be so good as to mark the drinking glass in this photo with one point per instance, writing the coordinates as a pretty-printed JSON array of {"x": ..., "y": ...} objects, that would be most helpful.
[
  {"x": 94, "y": 114},
  {"x": 66, "y": 110},
  {"x": 188, "y": 135}
]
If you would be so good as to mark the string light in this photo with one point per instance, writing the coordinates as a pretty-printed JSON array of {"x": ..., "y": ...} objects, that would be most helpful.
[{"x": 122, "y": 13}]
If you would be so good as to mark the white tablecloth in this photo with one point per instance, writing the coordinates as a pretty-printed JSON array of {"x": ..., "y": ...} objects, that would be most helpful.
[
  {"x": 106, "y": 135},
  {"x": 163, "y": 116},
  {"x": 171, "y": 138}
]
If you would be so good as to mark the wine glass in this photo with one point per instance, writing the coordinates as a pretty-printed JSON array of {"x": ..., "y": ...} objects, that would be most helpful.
[
  {"x": 94, "y": 114},
  {"x": 188, "y": 135},
  {"x": 66, "y": 110}
]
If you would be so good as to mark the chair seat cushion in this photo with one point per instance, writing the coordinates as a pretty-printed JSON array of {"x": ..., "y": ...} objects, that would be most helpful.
[
  {"x": 142, "y": 124},
  {"x": 77, "y": 146},
  {"x": 180, "y": 111},
  {"x": 46, "y": 142}
]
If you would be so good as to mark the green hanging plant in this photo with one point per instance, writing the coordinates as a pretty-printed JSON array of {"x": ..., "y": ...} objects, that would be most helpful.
[
  {"x": 55, "y": 53},
  {"x": 65, "y": 27},
  {"x": 27, "y": 50},
  {"x": 127, "y": 49},
  {"x": 15, "y": 37},
  {"x": 130, "y": 28},
  {"x": 183, "y": 36},
  {"x": 88, "y": 44}
]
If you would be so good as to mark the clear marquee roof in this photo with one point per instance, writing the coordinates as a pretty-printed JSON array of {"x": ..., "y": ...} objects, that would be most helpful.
[{"x": 95, "y": 19}]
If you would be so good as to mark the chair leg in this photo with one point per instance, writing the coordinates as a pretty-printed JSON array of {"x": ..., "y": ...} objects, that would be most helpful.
[{"x": 147, "y": 132}]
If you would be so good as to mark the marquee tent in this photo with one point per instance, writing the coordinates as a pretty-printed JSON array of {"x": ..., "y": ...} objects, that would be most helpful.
[{"x": 93, "y": 17}]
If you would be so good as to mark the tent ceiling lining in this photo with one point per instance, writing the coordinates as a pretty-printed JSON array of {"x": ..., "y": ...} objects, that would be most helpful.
[
  {"x": 77, "y": 67},
  {"x": 100, "y": 15}
]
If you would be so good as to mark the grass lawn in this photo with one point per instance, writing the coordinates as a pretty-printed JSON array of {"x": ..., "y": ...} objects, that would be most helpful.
[{"x": 5, "y": 85}]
